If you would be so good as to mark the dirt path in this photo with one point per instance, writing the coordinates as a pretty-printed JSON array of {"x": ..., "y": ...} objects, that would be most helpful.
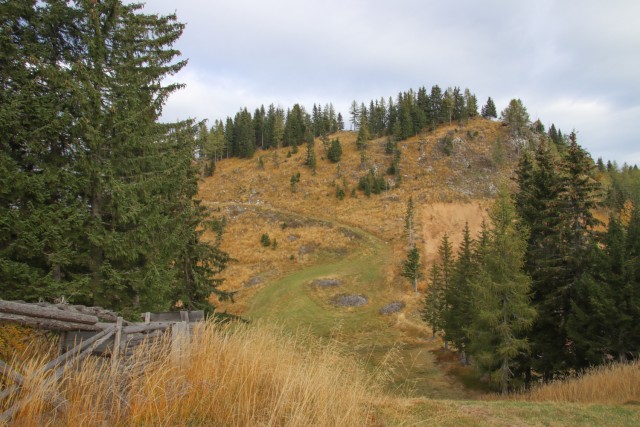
[{"x": 297, "y": 303}]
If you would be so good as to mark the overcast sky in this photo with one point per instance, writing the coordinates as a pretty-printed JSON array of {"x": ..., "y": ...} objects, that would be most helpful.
[{"x": 575, "y": 63}]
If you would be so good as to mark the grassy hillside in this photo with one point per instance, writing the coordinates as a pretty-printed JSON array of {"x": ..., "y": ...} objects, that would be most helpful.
[
  {"x": 356, "y": 244},
  {"x": 246, "y": 375},
  {"x": 307, "y": 358},
  {"x": 256, "y": 197}
]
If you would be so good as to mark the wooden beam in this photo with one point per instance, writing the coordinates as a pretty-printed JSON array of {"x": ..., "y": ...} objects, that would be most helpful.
[
  {"x": 146, "y": 327},
  {"x": 50, "y": 324},
  {"x": 46, "y": 312}
]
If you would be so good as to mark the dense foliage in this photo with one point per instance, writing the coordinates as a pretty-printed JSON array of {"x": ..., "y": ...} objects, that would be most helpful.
[
  {"x": 546, "y": 290},
  {"x": 97, "y": 197}
]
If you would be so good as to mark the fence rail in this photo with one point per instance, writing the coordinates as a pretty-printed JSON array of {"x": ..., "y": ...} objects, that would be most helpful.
[{"x": 82, "y": 333}]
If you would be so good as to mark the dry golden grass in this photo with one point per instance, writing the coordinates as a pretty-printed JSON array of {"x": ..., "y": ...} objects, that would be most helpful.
[
  {"x": 229, "y": 376},
  {"x": 455, "y": 185},
  {"x": 614, "y": 384}
]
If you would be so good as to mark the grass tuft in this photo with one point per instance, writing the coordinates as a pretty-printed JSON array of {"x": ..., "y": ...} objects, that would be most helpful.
[
  {"x": 234, "y": 375},
  {"x": 614, "y": 384}
]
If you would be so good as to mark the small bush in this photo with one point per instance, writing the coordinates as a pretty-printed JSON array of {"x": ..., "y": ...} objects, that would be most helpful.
[{"x": 265, "y": 241}]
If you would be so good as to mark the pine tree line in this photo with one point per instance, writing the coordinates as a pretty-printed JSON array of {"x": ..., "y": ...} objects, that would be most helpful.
[
  {"x": 97, "y": 198},
  {"x": 411, "y": 112},
  {"x": 408, "y": 115},
  {"x": 270, "y": 128}
]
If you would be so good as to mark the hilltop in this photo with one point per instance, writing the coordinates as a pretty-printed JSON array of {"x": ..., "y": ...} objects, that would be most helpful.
[
  {"x": 357, "y": 240},
  {"x": 448, "y": 190}
]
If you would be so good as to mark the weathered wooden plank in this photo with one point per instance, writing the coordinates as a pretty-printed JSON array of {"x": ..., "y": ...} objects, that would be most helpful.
[
  {"x": 146, "y": 327},
  {"x": 98, "y": 339},
  {"x": 84, "y": 350},
  {"x": 50, "y": 324},
  {"x": 115, "y": 354},
  {"x": 137, "y": 339},
  {"x": 196, "y": 316},
  {"x": 46, "y": 312},
  {"x": 167, "y": 316}
]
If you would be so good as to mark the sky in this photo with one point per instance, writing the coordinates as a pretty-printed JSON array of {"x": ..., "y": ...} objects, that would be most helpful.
[{"x": 575, "y": 63}]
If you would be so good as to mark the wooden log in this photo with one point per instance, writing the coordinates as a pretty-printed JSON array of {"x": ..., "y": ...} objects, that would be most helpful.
[
  {"x": 135, "y": 339},
  {"x": 83, "y": 345},
  {"x": 75, "y": 337},
  {"x": 49, "y": 324},
  {"x": 196, "y": 316},
  {"x": 146, "y": 327},
  {"x": 166, "y": 316},
  {"x": 46, "y": 312},
  {"x": 85, "y": 350}
]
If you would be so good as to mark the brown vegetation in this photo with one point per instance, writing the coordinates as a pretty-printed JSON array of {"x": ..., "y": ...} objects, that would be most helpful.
[
  {"x": 231, "y": 376},
  {"x": 615, "y": 384}
]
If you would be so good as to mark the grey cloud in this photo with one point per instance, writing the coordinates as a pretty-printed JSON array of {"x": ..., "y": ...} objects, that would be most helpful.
[{"x": 557, "y": 56}]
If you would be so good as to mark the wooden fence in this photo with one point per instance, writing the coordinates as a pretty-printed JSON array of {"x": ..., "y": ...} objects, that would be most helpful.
[{"x": 84, "y": 332}]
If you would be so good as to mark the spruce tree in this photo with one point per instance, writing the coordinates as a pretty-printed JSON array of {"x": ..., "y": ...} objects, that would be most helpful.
[
  {"x": 335, "y": 151},
  {"x": 412, "y": 268},
  {"x": 103, "y": 191},
  {"x": 459, "y": 296},
  {"x": 537, "y": 206},
  {"x": 431, "y": 312},
  {"x": 489, "y": 109},
  {"x": 503, "y": 312}
]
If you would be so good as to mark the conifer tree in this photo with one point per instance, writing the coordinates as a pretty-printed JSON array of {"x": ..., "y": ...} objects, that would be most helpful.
[
  {"x": 412, "y": 268},
  {"x": 516, "y": 117},
  {"x": 503, "y": 313},
  {"x": 431, "y": 312},
  {"x": 311, "y": 156},
  {"x": 115, "y": 214},
  {"x": 459, "y": 297},
  {"x": 363, "y": 134},
  {"x": 489, "y": 109},
  {"x": 335, "y": 151},
  {"x": 537, "y": 206}
]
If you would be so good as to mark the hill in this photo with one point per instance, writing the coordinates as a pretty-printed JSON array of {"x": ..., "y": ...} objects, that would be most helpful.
[{"x": 328, "y": 246}]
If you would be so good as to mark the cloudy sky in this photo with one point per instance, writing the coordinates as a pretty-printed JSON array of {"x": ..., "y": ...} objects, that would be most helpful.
[{"x": 575, "y": 63}]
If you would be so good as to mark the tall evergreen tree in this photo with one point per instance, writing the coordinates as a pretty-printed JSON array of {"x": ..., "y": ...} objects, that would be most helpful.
[
  {"x": 433, "y": 299},
  {"x": 101, "y": 194},
  {"x": 459, "y": 296},
  {"x": 503, "y": 312}
]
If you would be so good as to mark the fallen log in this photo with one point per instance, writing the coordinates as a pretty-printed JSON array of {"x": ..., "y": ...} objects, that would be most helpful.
[
  {"x": 46, "y": 312},
  {"x": 49, "y": 324}
]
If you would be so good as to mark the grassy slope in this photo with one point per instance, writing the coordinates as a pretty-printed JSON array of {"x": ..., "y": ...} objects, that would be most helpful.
[{"x": 448, "y": 190}]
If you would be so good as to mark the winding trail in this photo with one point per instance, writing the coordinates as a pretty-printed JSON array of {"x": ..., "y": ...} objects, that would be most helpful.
[{"x": 295, "y": 303}]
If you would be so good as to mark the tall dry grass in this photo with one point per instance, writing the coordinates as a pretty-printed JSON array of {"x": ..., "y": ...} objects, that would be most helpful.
[
  {"x": 226, "y": 376},
  {"x": 613, "y": 384}
]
